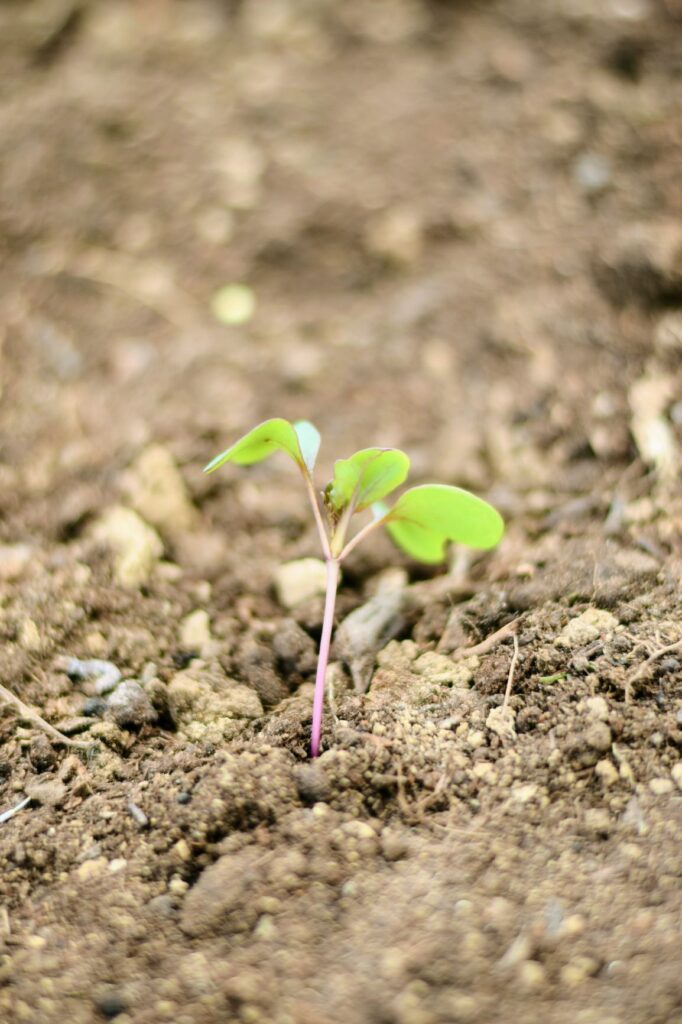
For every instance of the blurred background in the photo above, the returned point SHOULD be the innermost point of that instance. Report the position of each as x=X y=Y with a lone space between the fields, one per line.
x=448 y=226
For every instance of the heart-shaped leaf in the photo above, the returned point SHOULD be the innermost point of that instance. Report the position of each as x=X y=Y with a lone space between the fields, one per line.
x=267 y=438
x=366 y=477
x=424 y=518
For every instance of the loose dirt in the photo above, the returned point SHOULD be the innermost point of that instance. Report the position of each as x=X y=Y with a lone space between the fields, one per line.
x=460 y=223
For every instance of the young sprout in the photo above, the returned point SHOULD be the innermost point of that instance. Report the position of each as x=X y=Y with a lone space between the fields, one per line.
x=421 y=522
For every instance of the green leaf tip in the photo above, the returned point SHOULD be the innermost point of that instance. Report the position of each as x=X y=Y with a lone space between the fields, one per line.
x=425 y=518
x=299 y=441
x=366 y=477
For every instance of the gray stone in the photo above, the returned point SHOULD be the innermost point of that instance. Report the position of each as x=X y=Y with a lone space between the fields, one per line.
x=130 y=707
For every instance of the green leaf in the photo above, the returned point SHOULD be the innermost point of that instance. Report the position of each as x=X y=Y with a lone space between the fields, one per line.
x=425 y=518
x=308 y=442
x=366 y=477
x=261 y=442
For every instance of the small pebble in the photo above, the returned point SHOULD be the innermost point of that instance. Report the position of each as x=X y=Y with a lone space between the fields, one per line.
x=299 y=580
x=606 y=773
x=184 y=797
x=660 y=787
x=195 y=630
x=592 y=173
x=41 y=753
x=138 y=815
x=111 y=1004
x=94 y=707
x=312 y=783
x=130 y=707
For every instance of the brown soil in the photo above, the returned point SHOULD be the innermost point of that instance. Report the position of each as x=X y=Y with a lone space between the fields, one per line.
x=461 y=224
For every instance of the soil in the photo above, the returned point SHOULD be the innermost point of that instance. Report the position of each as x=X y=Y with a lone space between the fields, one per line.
x=460 y=223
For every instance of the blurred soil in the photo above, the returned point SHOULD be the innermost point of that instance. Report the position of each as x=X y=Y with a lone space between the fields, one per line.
x=461 y=226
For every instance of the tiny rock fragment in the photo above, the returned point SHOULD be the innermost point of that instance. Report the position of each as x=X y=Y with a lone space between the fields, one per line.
x=606 y=773
x=485 y=772
x=312 y=783
x=195 y=631
x=661 y=787
x=138 y=815
x=29 y=636
x=92 y=869
x=525 y=794
x=137 y=547
x=502 y=721
x=300 y=580
x=582 y=630
x=41 y=753
x=592 y=173
x=158 y=492
x=597 y=822
x=531 y=975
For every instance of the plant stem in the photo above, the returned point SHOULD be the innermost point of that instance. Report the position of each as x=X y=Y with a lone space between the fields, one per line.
x=360 y=536
x=324 y=539
x=323 y=657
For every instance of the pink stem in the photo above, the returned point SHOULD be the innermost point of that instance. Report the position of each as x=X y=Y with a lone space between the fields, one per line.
x=323 y=658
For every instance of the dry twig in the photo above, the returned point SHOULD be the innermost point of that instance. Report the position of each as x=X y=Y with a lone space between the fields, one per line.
x=32 y=716
x=490 y=641
x=512 y=670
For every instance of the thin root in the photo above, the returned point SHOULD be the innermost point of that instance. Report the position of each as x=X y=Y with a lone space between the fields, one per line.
x=643 y=668
x=512 y=670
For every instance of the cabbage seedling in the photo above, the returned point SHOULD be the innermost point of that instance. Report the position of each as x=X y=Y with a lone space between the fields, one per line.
x=421 y=521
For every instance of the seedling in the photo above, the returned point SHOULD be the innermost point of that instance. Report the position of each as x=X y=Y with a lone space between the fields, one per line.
x=421 y=522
